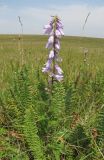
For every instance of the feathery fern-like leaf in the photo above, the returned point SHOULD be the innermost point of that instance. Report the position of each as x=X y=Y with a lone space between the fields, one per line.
x=31 y=134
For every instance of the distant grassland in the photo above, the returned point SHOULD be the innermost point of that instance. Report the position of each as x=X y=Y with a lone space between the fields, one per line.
x=35 y=54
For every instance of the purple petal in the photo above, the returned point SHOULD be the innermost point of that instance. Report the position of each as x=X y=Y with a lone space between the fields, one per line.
x=57 y=33
x=58 y=77
x=59 y=25
x=57 y=45
x=59 y=21
x=59 y=70
x=51 y=39
x=51 y=55
x=49 y=45
x=48 y=63
x=44 y=69
x=61 y=31
x=50 y=42
x=47 y=29
x=47 y=66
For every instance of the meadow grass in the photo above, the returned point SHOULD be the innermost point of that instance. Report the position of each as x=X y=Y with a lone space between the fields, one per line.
x=72 y=52
x=67 y=124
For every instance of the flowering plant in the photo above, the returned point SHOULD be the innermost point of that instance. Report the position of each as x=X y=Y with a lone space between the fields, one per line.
x=55 y=31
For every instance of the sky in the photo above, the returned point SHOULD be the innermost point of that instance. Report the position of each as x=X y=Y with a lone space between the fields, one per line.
x=36 y=13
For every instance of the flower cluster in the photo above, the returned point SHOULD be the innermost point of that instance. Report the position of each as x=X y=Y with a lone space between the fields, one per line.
x=55 y=30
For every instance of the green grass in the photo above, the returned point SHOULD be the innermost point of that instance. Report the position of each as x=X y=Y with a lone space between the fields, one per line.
x=72 y=52
x=65 y=125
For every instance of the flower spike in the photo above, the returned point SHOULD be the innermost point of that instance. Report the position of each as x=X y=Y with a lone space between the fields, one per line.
x=55 y=31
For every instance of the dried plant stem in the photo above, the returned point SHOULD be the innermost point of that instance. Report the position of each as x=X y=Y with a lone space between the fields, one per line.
x=20 y=43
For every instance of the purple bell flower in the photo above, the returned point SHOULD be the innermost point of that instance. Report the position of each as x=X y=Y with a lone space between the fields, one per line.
x=58 y=69
x=55 y=31
x=48 y=63
x=59 y=25
x=58 y=77
x=57 y=45
x=44 y=69
x=51 y=54
x=50 y=42
x=47 y=29
x=59 y=32
x=47 y=66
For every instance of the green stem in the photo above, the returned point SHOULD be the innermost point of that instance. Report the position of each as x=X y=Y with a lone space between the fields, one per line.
x=54 y=29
